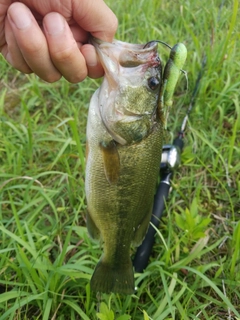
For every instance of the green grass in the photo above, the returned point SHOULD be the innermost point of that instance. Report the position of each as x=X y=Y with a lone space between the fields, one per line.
x=46 y=256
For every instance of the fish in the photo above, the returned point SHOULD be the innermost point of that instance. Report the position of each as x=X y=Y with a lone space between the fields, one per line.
x=123 y=151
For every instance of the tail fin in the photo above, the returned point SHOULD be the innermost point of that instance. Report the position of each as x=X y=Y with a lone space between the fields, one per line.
x=118 y=279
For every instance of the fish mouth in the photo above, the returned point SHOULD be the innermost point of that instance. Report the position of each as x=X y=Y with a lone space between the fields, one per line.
x=149 y=46
x=128 y=55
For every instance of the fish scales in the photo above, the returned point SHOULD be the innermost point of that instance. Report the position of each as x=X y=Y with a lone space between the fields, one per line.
x=124 y=145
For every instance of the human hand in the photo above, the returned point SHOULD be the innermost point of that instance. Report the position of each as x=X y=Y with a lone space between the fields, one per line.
x=50 y=37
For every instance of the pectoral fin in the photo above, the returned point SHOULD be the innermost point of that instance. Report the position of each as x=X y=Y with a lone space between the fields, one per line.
x=111 y=161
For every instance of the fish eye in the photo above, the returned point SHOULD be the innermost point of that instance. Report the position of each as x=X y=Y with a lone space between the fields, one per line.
x=153 y=83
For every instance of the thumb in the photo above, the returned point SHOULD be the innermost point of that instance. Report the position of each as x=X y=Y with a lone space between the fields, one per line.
x=95 y=17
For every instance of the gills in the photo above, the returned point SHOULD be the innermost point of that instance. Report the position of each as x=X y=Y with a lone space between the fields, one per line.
x=124 y=142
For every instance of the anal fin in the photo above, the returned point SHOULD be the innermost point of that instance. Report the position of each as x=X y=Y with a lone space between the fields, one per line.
x=93 y=230
x=142 y=229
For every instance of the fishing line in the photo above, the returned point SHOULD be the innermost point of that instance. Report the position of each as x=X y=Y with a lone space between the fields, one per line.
x=159 y=41
x=167 y=45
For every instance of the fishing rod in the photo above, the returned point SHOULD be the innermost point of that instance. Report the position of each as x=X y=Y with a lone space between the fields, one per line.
x=171 y=156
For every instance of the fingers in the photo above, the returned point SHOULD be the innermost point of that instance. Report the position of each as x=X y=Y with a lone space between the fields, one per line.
x=63 y=48
x=96 y=17
x=95 y=69
x=27 y=45
x=57 y=48
x=12 y=52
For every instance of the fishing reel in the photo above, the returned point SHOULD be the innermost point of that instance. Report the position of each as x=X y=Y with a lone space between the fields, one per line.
x=170 y=157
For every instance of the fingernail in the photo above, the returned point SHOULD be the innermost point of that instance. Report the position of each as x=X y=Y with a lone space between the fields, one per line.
x=20 y=16
x=54 y=23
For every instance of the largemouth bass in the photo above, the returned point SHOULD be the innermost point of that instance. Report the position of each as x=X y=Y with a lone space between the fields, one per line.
x=124 y=143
